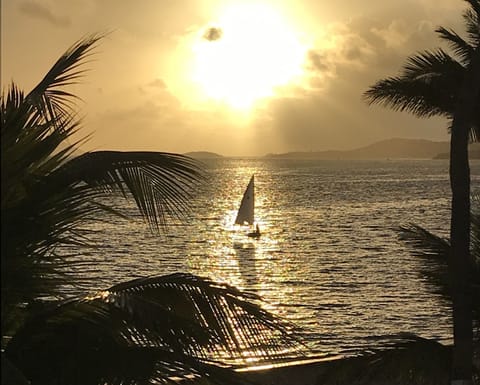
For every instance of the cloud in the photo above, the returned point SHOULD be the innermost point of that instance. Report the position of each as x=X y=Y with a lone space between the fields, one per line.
x=330 y=112
x=394 y=35
x=155 y=87
x=325 y=112
x=154 y=119
x=213 y=34
x=317 y=61
x=157 y=83
x=41 y=12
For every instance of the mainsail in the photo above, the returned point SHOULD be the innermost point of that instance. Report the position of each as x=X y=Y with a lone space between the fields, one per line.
x=247 y=206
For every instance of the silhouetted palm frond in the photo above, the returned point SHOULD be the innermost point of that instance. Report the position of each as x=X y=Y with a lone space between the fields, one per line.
x=423 y=243
x=426 y=87
x=48 y=195
x=434 y=251
x=472 y=22
x=161 y=183
x=174 y=320
x=460 y=47
x=49 y=96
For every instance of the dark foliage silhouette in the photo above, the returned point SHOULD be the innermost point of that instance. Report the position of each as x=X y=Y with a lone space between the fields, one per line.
x=438 y=83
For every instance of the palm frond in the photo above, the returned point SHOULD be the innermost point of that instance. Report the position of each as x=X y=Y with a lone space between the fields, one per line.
x=429 y=65
x=434 y=251
x=424 y=243
x=14 y=113
x=48 y=97
x=180 y=312
x=35 y=125
x=459 y=46
x=427 y=86
x=472 y=22
x=162 y=184
x=178 y=317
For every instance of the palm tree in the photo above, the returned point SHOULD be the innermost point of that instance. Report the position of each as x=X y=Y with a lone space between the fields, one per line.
x=48 y=193
x=182 y=325
x=436 y=83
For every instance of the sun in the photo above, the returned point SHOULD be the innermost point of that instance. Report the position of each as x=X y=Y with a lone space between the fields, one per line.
x=245 y=55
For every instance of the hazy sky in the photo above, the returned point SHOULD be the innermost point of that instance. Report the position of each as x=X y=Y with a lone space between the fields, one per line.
x=233 y=77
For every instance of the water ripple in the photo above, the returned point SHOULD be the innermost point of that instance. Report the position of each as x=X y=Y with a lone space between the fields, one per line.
x=328 y=259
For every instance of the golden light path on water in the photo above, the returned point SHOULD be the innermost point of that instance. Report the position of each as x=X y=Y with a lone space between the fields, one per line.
x=328 y=259
x=242 y=257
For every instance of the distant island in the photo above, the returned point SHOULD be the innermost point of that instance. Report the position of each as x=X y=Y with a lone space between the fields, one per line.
x=395 y=148
x=203 y=155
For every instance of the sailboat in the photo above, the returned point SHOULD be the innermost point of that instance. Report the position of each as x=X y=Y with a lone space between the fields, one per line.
x=246 y=212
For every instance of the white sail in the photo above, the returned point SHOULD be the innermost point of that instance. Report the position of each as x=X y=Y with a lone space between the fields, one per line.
x=247 y=206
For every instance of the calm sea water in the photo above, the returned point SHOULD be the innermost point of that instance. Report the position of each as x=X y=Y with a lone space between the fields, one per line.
x=329 y=258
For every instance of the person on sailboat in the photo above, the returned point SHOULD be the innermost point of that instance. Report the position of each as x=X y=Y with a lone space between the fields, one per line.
x=255 y=233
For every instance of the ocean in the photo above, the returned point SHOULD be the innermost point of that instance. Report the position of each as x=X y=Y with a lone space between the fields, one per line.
x=329 y=258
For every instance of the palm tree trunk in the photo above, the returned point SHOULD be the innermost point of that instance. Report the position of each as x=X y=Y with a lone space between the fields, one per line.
x=460 y=257
x=460 y=261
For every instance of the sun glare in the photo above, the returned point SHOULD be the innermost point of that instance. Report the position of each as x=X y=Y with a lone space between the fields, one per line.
x=245 y=55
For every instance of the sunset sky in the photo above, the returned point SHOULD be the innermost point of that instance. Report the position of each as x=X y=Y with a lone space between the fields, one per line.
x=233 y=77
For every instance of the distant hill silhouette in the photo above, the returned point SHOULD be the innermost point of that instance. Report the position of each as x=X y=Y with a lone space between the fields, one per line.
x=203 y=155
x=395 y=148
